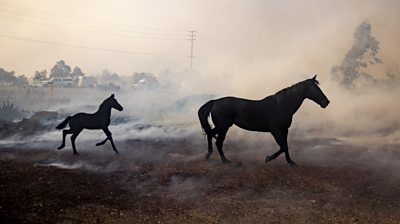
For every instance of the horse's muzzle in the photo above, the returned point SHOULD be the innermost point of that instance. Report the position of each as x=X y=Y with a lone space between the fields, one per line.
x=324 y=105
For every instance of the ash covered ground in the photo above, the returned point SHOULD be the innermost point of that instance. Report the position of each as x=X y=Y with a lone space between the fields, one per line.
x=167 y=180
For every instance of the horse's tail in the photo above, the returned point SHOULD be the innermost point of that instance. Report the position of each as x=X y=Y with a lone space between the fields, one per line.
x=203 y=113
x=64 y=123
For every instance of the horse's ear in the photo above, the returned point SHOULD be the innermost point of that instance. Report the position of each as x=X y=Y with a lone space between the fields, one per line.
x=112 y=95
x=315 y=77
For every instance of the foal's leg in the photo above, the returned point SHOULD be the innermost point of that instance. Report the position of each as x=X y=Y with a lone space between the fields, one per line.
x=65 y=132
x=109 y=137
x=219 y=143
x=102 y=142
x=73 y=137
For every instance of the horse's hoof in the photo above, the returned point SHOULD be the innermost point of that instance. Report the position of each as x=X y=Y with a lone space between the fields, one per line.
x=207 y=156
x=60 y=147
x=98 y=144
x=292 y=164
x=267 y=159
x=76 y=154
x=226 y=161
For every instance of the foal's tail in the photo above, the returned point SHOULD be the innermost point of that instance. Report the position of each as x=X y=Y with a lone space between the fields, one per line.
x=203 y=113
x=64 y=123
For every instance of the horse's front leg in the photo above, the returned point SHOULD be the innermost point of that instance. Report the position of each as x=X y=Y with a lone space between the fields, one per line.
x=109 y=137
x=102 y=142
x=273 y=156
x=281 y=138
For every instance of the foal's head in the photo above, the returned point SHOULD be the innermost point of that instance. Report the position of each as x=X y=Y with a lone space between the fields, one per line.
x=113 y=103
x=314 y=93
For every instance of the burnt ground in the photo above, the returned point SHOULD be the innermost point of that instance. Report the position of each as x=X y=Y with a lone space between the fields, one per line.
x=168 y=181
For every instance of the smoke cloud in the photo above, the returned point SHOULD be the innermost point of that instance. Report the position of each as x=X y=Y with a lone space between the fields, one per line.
x=270 y=46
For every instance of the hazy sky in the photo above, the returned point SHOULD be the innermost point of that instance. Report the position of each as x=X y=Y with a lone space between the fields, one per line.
x=244 y=37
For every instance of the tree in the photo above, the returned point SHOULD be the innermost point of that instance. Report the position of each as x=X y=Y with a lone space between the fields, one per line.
x=363 y=53
x=60 y=70
x=107 y=76
x=22 y=80
x=40 y=76
x=77 y=72
x=7 y=78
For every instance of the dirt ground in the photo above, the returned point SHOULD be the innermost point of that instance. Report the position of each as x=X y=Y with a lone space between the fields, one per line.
x=169 y=181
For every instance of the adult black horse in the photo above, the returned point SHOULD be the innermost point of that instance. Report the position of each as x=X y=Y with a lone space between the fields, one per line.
x=272 y=114
x=98 y=120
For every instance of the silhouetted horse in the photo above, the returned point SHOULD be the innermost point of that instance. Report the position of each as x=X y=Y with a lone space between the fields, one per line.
x=98 y=120
x=271 y=114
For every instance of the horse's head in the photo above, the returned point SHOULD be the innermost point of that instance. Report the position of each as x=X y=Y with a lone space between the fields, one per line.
x=314 y=93
x=113 y=103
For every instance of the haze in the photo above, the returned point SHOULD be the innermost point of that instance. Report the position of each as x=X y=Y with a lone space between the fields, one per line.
x=246 y=40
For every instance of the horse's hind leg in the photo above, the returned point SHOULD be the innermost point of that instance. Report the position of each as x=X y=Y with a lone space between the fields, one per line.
x=73 y=137
x=210 y=148
x=210 y=136
x=102 y=142
x=109 y=137
x=65 y=132
x=219 y=143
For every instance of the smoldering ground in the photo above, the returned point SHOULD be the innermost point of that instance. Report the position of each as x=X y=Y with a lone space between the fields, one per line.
x=161 y=175
x=168 y=180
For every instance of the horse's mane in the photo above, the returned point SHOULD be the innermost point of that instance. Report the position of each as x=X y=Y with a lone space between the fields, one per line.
x=291 y=88
x=292 y=92
x=296 y=87
x=103 y=103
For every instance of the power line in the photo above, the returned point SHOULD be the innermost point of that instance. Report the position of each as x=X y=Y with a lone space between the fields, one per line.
x=119 y=33
x=192 y=35
x=55 y=21
x=40 y=17
x=41 y=13
x=88 y=47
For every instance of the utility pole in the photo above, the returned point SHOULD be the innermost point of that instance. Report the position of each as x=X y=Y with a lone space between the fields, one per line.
x=192 y=35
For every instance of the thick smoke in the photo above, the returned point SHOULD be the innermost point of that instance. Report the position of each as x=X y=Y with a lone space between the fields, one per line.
x=167 y=109
x=367 y=105
x=363 y=52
